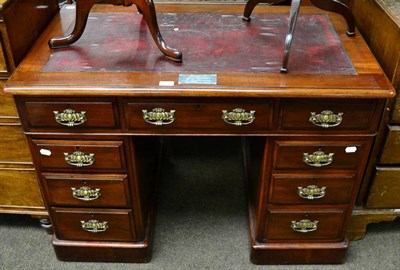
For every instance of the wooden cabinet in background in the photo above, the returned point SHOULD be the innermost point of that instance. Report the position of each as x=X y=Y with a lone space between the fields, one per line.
x=379 y=200
x=21 y=22
x=19 y=191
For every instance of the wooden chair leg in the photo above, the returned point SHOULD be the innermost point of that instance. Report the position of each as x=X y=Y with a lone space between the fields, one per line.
x=146 y=7
x=83 y=8
x=340 y=8
x=251 y=4
x=294 y=12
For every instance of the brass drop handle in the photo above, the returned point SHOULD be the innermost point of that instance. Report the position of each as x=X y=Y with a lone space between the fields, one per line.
x=238 y=117
x=326 y=119
x=311 y=192
x=304 y=225
x=318 y=158
x=70 y=117
x=85 y=193
x=79 y=159
x=159 y=116
x=94 y=226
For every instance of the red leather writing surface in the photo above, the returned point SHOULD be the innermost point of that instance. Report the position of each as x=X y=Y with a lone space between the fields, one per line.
x=210 y=43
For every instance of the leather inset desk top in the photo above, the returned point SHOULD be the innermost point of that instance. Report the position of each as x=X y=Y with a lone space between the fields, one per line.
x=210 y=42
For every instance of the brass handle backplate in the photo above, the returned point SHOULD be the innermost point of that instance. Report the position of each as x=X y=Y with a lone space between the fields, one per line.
x=311 y=192
x=159 y=116
x=94 y=226
x=86 y=193
x=318 y=159
x=70 y=117
x=304 y=225
x=326 y=119
x=238 y=117
x=79 y=159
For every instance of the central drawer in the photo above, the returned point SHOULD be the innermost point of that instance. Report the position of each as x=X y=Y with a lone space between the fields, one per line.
x=87 y=190
x=94 y=224
x=79 y=155
x=168 y=117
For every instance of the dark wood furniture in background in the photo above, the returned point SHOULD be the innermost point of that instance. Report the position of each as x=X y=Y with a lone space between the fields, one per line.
x=379 y=200
x=94 y=140
x=21 y=23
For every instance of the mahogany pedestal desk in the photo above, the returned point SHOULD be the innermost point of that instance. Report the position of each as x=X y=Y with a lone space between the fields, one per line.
x=94 y=132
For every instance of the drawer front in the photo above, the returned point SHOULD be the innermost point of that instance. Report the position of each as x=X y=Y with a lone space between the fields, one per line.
x=70 y=114
x=79 y=155
x=385 y=188
x=307 y=226
x=396 y=110
x=19 y=190
x=391 y=149
x=87 y=190
x=7 y=105
x=311 y=189
x=320 y=155
x=100 y=224
x=13 y=144
x=191 y=117
x=329 y=115
x=3 y=64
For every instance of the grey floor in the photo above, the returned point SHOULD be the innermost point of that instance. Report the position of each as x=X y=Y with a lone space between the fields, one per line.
x=201 y=221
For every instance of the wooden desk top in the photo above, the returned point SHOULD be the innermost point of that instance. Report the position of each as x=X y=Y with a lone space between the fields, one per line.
x=369 y=82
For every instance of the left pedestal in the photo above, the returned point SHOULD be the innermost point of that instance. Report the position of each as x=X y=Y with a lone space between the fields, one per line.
x=99 y=188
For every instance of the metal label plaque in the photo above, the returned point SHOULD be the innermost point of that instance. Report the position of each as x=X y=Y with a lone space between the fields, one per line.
x=197 y=79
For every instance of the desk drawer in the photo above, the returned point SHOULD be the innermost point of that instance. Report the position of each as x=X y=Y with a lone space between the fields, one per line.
x=164 y=116
x=391 y=150
x=19 y=190
x=311 y=189
x=330 y=115
x=73 y=114
x=87 y=190
x=13 y=144
x=79 y=155
x=100 y=224
x=320 y=155
x=293 y=225
x=385 y=188
x=396 y=110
